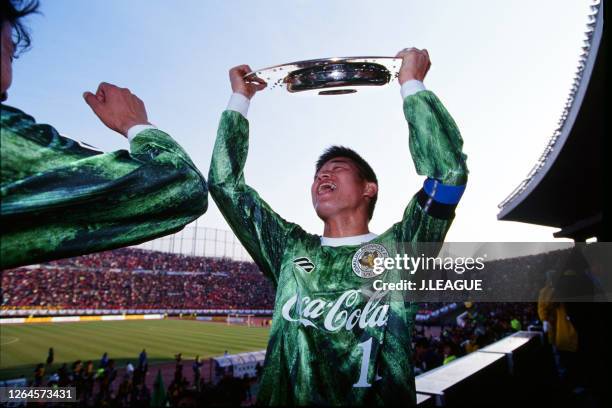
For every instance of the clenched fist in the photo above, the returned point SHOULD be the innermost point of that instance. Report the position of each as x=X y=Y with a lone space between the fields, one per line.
x=240 y=85
x=415 y=64
x=117 y=108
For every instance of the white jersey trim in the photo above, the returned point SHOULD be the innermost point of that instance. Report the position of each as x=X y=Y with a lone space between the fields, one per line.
x=354 y=240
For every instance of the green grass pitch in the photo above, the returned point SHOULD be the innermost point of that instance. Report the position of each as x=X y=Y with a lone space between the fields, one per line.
x=23 y=346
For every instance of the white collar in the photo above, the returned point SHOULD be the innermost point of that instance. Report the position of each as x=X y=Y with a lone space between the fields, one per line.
x=354 y=240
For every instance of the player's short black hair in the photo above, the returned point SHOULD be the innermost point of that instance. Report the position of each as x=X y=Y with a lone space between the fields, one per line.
x=11 y=12
x=365 y=170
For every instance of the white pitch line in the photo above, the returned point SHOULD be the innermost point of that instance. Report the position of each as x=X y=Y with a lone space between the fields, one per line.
x=13 y=340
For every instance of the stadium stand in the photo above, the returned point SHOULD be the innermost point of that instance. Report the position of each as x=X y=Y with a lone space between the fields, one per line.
x=571 y=164
x=137 y=279
x=563 y=190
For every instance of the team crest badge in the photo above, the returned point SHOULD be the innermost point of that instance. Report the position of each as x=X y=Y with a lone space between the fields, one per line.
x=363 y=260
x=304 y=264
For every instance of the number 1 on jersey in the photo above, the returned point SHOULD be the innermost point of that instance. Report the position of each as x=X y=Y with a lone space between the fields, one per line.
x=366 y=346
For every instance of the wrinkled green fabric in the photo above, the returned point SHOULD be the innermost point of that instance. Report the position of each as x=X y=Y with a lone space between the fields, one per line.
x=435 y=142
x=61 y=198
x=322 y=327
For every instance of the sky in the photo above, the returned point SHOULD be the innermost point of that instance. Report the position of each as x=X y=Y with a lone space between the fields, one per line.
x=502 y=69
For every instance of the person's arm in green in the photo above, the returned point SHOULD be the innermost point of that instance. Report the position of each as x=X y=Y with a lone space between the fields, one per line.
x=62 y=199
x=436 y=147
x=262 y=232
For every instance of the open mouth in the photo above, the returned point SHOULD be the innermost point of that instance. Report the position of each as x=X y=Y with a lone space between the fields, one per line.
x=326 y=187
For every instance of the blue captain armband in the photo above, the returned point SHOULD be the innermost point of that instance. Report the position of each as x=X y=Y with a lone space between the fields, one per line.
x=439 y=200
x=443 y=193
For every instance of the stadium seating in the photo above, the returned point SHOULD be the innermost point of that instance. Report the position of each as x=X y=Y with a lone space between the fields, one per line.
x=137 y=279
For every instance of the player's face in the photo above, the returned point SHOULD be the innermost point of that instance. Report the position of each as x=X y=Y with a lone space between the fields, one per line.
x=337 y=188
x=6 y=55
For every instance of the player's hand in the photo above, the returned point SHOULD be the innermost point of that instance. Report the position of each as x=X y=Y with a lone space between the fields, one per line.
x=415 y=64
x=116 y=107
x=240 y=85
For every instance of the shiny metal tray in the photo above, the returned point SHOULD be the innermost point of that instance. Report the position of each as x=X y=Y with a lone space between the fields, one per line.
x=330 y=76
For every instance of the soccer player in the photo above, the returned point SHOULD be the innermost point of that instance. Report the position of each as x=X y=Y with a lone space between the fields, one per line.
x=332 y=343
x=61 y=198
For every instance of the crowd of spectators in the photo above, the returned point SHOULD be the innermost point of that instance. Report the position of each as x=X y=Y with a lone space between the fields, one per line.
x=140 y=259
x=131 y=278
x=104 y=383
x=481 y=325
x=137 y=279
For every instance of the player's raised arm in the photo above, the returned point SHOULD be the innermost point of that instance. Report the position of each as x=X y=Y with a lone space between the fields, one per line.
x=436 y=147
x=259 y=228
x=61 y=199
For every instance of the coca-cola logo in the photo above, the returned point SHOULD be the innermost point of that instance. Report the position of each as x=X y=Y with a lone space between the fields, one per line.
x=341 y=313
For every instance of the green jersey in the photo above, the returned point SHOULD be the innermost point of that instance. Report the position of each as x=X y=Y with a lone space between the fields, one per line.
x=61 y=198
x=329 y=343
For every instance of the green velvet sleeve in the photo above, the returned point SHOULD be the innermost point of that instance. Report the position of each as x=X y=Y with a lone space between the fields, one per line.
x=436 y=147
x=262 y=232
x=61 y=198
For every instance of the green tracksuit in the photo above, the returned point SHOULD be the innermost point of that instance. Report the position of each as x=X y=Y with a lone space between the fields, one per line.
x=330 y=344
x=61 y=199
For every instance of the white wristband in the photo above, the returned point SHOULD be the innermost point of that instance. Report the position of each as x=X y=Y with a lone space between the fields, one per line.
x=239 y=103
x=411 y=87
x=136 y=129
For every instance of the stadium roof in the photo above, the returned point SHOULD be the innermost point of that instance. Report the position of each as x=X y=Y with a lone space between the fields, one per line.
x=564 y=188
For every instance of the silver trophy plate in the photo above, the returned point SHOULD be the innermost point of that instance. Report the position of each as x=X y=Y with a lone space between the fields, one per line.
x=330 y=76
